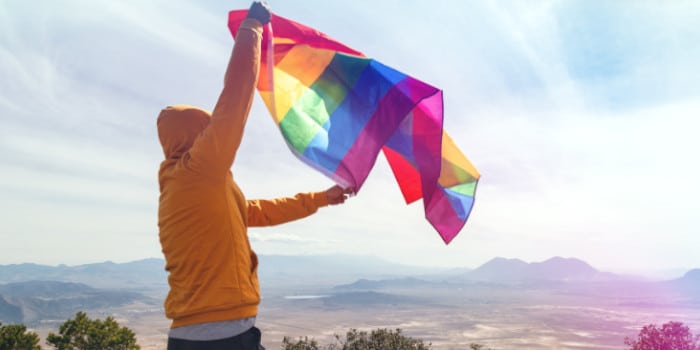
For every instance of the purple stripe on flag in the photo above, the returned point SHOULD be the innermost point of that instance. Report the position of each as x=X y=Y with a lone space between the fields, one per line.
x=402 y=141
x=392 y=110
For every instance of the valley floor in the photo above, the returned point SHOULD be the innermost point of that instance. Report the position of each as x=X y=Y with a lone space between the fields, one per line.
x=447 y=318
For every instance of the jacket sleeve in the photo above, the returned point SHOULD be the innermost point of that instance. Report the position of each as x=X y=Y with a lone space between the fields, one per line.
x=278 y=211
x=216 y=147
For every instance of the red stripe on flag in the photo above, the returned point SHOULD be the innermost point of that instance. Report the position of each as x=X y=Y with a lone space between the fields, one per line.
x=406 y=175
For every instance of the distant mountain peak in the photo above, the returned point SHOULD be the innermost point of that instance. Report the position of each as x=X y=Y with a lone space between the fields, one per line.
x=559 y=259
x=569 y=263
x=553 y=269
x=498 y=261
x=692 y=275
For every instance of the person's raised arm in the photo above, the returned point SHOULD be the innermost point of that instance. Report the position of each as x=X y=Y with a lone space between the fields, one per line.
x=281 y=210
x=220 y=140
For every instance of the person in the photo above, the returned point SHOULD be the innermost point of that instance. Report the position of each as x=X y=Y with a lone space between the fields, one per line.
x=203 y=216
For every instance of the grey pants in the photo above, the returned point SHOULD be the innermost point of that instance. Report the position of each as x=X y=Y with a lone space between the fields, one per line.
x=248 y=340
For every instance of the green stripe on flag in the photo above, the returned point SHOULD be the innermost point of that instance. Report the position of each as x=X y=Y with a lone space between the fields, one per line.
x=298 y=128
x=465 y=188
x=337 y=79
x=314 y=107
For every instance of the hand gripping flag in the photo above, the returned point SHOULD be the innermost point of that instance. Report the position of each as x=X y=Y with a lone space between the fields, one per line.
x=337 y=108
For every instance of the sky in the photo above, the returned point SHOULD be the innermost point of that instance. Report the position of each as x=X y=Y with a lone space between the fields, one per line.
x=581 y=116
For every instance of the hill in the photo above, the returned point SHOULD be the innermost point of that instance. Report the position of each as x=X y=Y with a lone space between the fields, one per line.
x=140 y=274
x=692 y=276
x=394 y=283
x=9 y=313
x=274 y=271
x=689 y=283
x=33 y=301
x=497 y=271
x=554 y=269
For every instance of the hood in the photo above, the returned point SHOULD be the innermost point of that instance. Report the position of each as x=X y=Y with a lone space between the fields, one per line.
x=178 y=127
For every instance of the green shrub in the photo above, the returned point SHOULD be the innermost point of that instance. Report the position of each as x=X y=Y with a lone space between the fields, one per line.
x=16 y=337
x=82 y=333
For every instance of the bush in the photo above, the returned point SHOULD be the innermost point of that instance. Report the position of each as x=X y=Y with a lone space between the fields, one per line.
x=82 y=333
x=359 y=340
x=16 y=337
x=671 y=336
x=378 y=339
x=301 y=344
x=474 y=346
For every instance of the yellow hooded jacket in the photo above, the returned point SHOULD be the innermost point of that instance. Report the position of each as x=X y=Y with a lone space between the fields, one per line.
x=203 y=215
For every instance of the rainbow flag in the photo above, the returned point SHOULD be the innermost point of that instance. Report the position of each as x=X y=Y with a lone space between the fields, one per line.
x=337 y=109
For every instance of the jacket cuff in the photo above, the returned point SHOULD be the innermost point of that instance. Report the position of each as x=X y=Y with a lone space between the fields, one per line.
x=252 y=24
x=320 y=199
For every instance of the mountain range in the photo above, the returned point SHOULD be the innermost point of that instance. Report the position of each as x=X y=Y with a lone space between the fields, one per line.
x=146 y=273
x=509 y=272
x=33 y=301
x=281 y=270
x=32 y=293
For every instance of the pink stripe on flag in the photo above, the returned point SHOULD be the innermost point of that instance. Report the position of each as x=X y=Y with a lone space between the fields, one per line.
x=442 y=215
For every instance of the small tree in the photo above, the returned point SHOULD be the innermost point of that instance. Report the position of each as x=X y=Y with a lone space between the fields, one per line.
x=16 y=337
x=301 y=344
x=671 y=336
x=379 y=339
x=383 y=339
x=475 y=346
x=82 y=333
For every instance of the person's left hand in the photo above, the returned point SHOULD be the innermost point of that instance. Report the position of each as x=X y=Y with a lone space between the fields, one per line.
x=338 y=195
x=260 y=10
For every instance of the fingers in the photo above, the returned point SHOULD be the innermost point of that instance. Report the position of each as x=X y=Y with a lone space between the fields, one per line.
x=260 y=11
x=338 y=194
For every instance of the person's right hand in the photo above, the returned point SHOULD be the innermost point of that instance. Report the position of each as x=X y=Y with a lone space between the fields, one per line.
x=260 y=11
x=338 y=195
